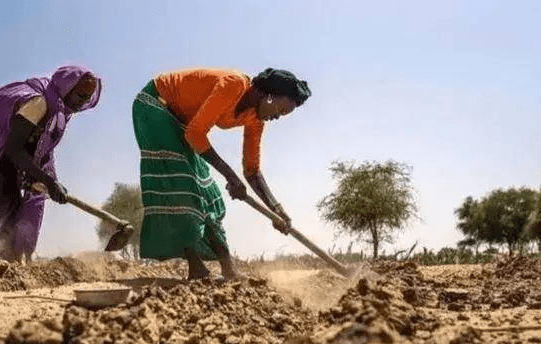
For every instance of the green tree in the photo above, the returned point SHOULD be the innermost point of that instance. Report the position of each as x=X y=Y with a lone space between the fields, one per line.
x=371 y=201
x=471 y=222
x=500 y=217
x=507 y=212
x=126 y=204
x=532 y=228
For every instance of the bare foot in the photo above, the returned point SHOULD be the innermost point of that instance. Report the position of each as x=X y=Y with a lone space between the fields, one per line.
x=229 y=271
x=196 y=267
x=198 y=274
x=7 y=254
x=234 y=276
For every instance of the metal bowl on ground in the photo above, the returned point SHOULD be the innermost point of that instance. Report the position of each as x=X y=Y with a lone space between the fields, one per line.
x=101 y=297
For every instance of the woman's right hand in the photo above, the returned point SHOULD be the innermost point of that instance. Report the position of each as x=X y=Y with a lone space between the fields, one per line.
x=236 y=188
x=58 y=193
x=282 y=226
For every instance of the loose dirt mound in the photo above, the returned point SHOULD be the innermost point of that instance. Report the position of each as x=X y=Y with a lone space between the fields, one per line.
x=518 y=267
x=375 y=308
x=389 y=302
x=504 y=284
x=193 y=312
x=87 y=268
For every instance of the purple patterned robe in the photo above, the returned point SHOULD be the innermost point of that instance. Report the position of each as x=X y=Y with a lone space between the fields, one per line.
x=21 y=221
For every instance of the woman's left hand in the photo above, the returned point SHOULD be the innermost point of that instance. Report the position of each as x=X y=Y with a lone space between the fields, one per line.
x=38 y=188
x=279 y=210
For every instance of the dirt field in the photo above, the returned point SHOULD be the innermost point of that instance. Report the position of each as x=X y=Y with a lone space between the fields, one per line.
x=301 y=303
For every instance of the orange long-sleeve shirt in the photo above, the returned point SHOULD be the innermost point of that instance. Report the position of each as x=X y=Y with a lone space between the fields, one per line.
x=203 y=98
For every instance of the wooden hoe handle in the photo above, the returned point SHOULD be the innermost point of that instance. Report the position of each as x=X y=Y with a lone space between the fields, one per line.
x=342 y=269
x=96 y=211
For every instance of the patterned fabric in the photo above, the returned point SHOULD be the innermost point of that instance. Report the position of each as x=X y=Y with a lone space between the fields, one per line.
x=182 y=202
x=21 y=215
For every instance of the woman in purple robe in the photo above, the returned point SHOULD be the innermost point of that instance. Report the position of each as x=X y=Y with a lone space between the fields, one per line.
x=33 y=117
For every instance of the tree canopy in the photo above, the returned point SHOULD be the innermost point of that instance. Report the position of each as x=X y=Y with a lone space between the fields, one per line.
x=371 y=201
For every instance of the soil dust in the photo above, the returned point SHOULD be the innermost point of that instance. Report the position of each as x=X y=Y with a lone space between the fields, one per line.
x=389 y=302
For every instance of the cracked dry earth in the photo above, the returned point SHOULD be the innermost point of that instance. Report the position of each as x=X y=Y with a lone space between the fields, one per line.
x=385 y=302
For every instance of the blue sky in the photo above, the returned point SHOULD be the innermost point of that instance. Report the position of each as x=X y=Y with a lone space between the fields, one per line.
x=450 y=88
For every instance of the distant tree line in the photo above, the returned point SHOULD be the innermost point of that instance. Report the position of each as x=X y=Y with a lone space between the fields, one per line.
x=373 y=200
x=504 y=217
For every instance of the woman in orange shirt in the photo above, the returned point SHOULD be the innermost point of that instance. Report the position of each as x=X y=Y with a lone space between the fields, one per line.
x=172 y=116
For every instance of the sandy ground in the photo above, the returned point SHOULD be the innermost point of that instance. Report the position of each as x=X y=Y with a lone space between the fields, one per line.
x=386 y=302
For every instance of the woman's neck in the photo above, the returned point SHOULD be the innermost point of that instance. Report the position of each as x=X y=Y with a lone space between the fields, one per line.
x=250 y=99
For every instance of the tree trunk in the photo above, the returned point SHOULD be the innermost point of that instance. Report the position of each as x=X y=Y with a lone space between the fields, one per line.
x=375 y=240
x=510 y=246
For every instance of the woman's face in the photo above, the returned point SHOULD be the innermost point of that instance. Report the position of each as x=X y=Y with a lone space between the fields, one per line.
x=81 y=93
x=273 y=107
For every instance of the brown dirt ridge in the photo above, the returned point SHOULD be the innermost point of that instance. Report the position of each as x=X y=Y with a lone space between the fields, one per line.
x=387 y=302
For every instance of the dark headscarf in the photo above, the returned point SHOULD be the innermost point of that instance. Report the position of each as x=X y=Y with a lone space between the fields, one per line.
x=282 y=82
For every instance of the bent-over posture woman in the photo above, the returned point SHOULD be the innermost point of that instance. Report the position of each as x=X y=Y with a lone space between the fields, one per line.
x=172 y=117
x=33 y=117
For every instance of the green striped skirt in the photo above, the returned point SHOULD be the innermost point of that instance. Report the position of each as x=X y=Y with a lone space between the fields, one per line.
x=182 y=202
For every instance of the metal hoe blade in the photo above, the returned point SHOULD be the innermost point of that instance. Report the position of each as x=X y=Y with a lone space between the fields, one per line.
x=123 y=232
x=120 y=238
